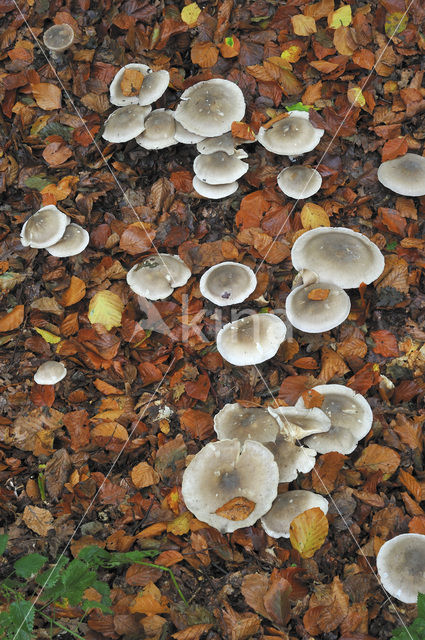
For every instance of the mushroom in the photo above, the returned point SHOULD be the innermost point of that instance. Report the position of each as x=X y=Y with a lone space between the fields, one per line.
x=44 y=228
x=157 y=276
x=225 y=470
x=291 y=136
x=404 y=175
x=210 y=107
x=227 y=283
x=299 y=181
x=252 y=339
x=50 y=372
x=74 y=241
x=252 y=423
x=160 y=128
x=224 y=143
x=290 y=458
x=153 y=85
x=185 y=136
x=339 y=256
x=296 y=423
x=288 y=506
x=214 y=191
x=219 y=167
x=58 y=38
x=401 y=566
x=317 y=307
x=125 y=123
x=350 y=415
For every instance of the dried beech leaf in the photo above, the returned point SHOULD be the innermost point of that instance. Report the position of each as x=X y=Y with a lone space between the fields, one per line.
x=308 y=531
x=237 y=508
x=131 y=82
x=38 y=520
x=318 y=294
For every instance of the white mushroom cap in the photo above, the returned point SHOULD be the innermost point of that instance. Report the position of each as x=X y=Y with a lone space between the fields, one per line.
x=185 y=136
x=225 y=470
x=404 y=175
x=125 y=123
x=214 y=191
x=219 y=168
x=296 y=423
x=291 y=136
x=350 y=415
x=156 y=276
x=253 y=423
x=227 y=283
x=299 y=181
x=290 y=458
x=74 y=241
x=401 y=566
x=315 y=316
x=116 y=95
x=59 y=37
x=338 y=255
x=160 y=128
x=50 y=372
x=251 y=340
x=224 y=143
x=288 y=506
x=154 y=85
x=44 y=228
x=208 y=108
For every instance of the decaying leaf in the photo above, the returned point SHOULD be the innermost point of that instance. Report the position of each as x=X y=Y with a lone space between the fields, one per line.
x=237 y=508
x=38 y=520
x=308 y=531
x=318 y=294
x=131 y=82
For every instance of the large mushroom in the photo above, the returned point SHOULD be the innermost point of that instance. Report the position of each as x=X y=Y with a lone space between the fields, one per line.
x=317 y=307
x=299 y=181
x=291 y=136
x=297 y=423
x=160 y=129
x=288 y=506
x=245 y=423
x=125 y=123
x=252 y=339
x=219 y=167
x=404 y=175
x=157 y=276
x=214 y=191
x=227 y=283
x=401 y=566
x=146 y=86
x=291 y=459
x=44 y=228
x=74 y=241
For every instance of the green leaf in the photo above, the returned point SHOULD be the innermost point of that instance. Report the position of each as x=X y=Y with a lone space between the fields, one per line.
x=131 y=556
x=21 y=615
x=29 y=565
x=76 y=578
x=3 y=543
x=49 y=578
x=299 y=106
x=94 y=556
x=421 y=605
x=56 y=129
x=395 y=23
x=37 y=182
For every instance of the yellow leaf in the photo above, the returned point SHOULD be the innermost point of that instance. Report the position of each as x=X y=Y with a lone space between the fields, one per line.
x=106 y=308
x=190 y=13
x=308 y=532
x=341 y=16
x=355 y=96
x=291 y=54
x=47 y=336
x=313 y=216
x=180 y=525
x=39 y=124
x=303 y=25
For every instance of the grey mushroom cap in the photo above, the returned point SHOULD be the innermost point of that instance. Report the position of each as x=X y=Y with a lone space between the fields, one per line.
x=291 y=136
x=290 y=458
x=125 y=123
x=338 y=255
x=219 y=167
x=225 y=470
x=224 y=143
x=251 y=340
x=44 y=228
x=59 y=38
x=160 y=128
x=208 y=108
x=227 y=283
x=185 y=136
x=245 y=423
x=316 y=316
x=404 y=175
x=50 y=372
x=214 y=191
x=288 y=506
x=299 y=181
x=116 y=95
x=153 y=87
x=74 y=241
x=157 y=276
x=296 y=423
x=350 y=415
x=401 y=566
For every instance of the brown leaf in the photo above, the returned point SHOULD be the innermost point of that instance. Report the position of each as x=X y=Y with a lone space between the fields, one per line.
x=377 y=458
x=239 y=626
x=131 y=82
x=395 y=274
x=326 y=471
x=292 y=387
x=237 y=508
x=411 y=484
x=365 y=378
x=56 y=153
x=13 y=319
x=198 y=423
x=243 y=131
x=38 y=520
x=42 y=395
x=143 y=475
x=276 y=601
x=204 y=54
x=318 y=294
x=139 y=575
x=75 y=292
x=394 y=148
x=199 y=388
x=46 y=95
x=332 y=365
x=385 y=343
x=312 y=398
x=254 y=587
x=303 y=25
x=193 y=632
x=137 y=238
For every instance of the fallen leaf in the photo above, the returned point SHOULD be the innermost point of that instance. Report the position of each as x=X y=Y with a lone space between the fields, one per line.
x=56 y=153
x=204 y=54
x=190 y=13
x=243 y=131
x=378 y=458
x=303 y=25
x=239 y=626
x=38 y=520
x=385 y=343
x=340 y=17
x=308 y=531
x=238 y=508
x=143 y=475
x=106 y=308
x=318 y=294
x=75 y=292
x=13 y=319
x=131 y=82
x=47 y=96
x=313 y=216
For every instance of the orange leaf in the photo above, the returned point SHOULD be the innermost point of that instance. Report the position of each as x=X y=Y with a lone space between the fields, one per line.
x=303 y=25
x=308 y=531
x=143 y=475
x=46 y=95
x=205 y=54
x=56 y=153
x=324 y=66
x=242 y=130
x=305 y=363
x=377 y=458
x=230 y=48
x=394 y=148
x=42 y=395
x=411 y=484
x=326 y=471
x=106 y=388
x=194 y=632
x=237 y=508
x=168 y=558
x=417 y=525
x=312 y=398
x=365 y=378
x=199 y=388
x=198 y=423
x=182 y=180
x=131 y=82
x=385 y=343
x=137 y=238
x=318 y=294
x=75 y=292
x=13 y=319
x=364 y=58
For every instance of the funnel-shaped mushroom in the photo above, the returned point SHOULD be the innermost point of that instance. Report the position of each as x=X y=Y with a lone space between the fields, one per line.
x=299 y=182
x=288 y=506
x=147 y=85
x=219 y=167
x=290 y=458
x=44 y=228
x=160 y=128
x=253 y=423
x=317 y=307
x=125 y=123
x=291 y=136
x=251 y=340
x=225 y=470
x=157 y=276
x=50 y=372
x=296 y=423
x=59 y=38
x=214 y=191
x=401 y=566
x=74 y=241
x=225 y=143
x=185 y=136
x=404 y=175
x=339 y=256
x=228 y=283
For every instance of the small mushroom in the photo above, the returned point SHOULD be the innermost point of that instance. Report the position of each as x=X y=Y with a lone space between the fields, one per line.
x=160 y=128
x=296 y=423
x=185 y=136
x=290 y=458
x=401 y=566
x=58 y=38
x=157 y=276
x=227 y=283
x=317 y=307
x=50 y=372
x=288 y=506
x=224 y=143
x=404 y=175
x=299 y=181
x=210 y=107
x=125 y=123
x=225 y=470
x=74 y=241
x=219 y=167
x=339 y=256
x=252 y=339
x=44 y=228
x=245 y=423
x=214 y=191
x=153 y=85
x=291 y=136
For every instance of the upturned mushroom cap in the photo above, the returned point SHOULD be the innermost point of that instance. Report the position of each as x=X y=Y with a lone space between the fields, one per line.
x=59 y=38
x=214 y=191
x=157 y=276
x=160 y=128
x=288 y=506
x=251 y=340
x=153 y=86
x=291 y=136
x=116 y=95
x=312 y=315
x=404 y=175
x=401 y=566
x=74 y=241
x=224 y=143
x=125 y=123
x=219 y=167
x=50 y=372
x=296 y=423
x=350 y=415
x=208 y=108
x=338 y=255
x=299 y=182
x=185 y=136
x=253 y=423
x=225 y=470
x=44 y=228
x=290 y=458
x=227 y=283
